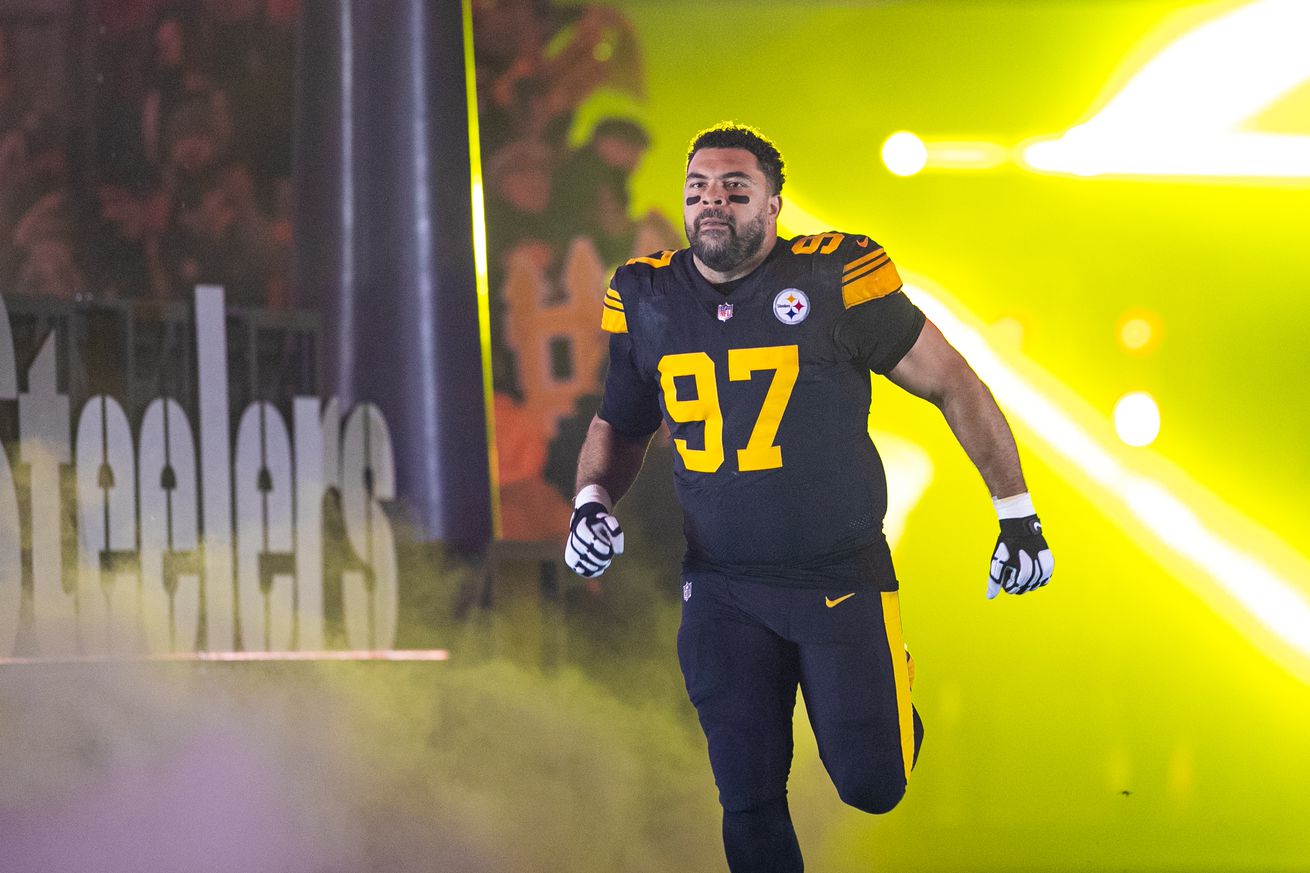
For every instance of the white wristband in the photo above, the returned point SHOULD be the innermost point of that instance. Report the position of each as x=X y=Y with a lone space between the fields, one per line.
x=1015 y=506
x=594 y=494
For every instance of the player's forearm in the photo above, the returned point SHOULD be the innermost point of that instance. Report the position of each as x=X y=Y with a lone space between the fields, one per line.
x=984 y=434
x=609 y=459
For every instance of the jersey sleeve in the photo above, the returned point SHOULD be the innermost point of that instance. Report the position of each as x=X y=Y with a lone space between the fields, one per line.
x=631 y=403
x=867 y=271
x=612 y=317
x=880 y=323
x=879 y=333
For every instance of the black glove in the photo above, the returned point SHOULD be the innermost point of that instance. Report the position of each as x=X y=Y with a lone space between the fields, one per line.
x=594 y=539
x=1022 y=560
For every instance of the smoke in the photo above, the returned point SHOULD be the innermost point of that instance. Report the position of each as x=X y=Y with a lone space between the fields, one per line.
x=557 y=738
x=354 y=768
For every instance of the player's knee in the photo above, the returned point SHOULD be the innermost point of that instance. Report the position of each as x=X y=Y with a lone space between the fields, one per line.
x=875 y=796
x=748 y=799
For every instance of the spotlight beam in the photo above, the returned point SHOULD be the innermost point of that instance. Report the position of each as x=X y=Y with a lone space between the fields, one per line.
x=1181 y=114
x=1241 y=569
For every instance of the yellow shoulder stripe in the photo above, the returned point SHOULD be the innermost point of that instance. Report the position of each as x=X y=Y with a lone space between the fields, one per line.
x=612 y=317
x=657 y=261
x=613 y=320
x=878 y=279
x=871 y=257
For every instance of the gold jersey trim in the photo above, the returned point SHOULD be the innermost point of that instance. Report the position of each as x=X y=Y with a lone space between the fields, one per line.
x=612 y=317
x=869 y=278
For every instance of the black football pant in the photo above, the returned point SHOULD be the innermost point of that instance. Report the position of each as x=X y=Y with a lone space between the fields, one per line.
x=744 y=648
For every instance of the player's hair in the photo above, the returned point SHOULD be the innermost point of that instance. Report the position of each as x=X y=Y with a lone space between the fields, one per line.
x=730 y=135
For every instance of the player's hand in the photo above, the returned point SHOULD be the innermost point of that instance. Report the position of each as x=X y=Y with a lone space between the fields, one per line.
x=594 y=539
x=1022 y=560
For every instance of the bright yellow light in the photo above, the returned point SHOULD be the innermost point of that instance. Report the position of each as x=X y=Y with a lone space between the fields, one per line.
x=904 y=153
x=1181 y=114
x=795 y=219
x=945 y=155
x=478 y=215
x=914 y=469
x=1139 y=330
x=1256 y=581
x=1137 y=418
x=1008 y=331
x=1250 y=577
x=1135 y=333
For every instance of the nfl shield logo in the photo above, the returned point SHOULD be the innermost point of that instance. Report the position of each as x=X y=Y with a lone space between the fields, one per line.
x=725 y=311
x=686 y=591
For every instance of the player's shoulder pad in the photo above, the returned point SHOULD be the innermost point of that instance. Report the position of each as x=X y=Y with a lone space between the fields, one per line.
x=867 y=273
x=628 y=281
x=654 y=261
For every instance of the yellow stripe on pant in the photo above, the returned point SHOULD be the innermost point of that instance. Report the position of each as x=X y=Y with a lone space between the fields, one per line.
x=891 y=616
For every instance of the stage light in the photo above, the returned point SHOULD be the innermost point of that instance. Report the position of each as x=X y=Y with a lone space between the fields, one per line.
x=1137 y=418
x=1183 y=113
x=951 y=155
x=1136 y=333
x=1257 y=582
x=1008 y=330
x=914 y=473
x=904 y=153
x=1253 y=579
x=481 y=283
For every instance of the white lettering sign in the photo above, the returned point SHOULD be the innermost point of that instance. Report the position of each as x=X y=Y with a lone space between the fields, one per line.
x=182 y=545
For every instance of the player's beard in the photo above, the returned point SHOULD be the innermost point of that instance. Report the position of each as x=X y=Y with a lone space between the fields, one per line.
x=725 y=254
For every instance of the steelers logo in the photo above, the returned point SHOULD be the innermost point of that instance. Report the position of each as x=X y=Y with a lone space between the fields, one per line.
x=791 y=306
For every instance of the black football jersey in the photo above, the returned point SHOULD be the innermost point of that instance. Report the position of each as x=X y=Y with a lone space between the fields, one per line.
x=766 y=391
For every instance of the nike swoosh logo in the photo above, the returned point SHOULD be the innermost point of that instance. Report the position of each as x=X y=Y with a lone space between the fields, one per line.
x=830 y=603
x=862 y=242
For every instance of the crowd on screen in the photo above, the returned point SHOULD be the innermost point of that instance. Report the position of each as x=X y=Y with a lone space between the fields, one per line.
x=559 y=219
x=167 y=163
x=173 y=169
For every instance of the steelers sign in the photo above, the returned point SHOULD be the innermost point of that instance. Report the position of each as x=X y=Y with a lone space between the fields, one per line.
x=791 y=306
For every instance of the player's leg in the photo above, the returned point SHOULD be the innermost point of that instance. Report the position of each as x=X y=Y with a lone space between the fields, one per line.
x=741 y=677
x=761 y=839
x=855 y=678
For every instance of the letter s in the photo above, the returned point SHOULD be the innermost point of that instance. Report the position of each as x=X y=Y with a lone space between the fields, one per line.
x=370 y=598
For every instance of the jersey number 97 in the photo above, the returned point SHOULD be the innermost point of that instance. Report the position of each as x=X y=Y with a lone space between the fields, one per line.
x=759 y=453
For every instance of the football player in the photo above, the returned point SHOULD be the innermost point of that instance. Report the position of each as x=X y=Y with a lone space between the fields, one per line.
x=756 y=353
